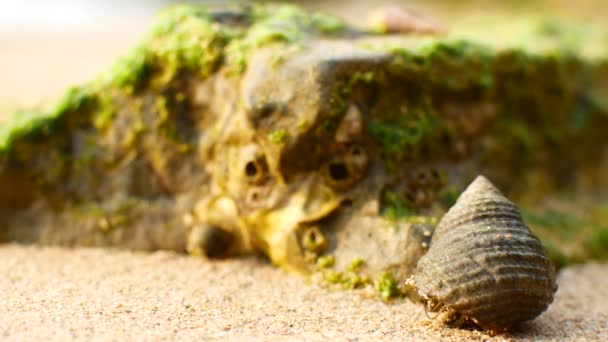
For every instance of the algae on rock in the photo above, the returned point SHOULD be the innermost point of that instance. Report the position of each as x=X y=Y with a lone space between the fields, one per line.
x=302 y=138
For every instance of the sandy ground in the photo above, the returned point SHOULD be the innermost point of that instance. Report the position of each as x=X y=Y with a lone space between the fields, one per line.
x=91 y=294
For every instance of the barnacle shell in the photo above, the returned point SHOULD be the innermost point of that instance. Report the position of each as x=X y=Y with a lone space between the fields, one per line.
x=484 y=265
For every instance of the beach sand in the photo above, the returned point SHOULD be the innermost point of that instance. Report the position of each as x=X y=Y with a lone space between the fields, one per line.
x=104 y=295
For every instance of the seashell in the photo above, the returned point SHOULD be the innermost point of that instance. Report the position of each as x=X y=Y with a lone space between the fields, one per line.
x=394 y=19
x=484 y=266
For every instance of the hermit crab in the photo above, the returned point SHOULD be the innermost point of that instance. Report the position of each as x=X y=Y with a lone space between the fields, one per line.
x=484 y=265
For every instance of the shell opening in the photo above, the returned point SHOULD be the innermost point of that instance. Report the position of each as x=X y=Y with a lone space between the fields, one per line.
x=338 y=171
x=314 y=241
x=251 y=170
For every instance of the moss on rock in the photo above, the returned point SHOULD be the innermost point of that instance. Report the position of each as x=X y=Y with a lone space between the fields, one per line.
x=517 y=101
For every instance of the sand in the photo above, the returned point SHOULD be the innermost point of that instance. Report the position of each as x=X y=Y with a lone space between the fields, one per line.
x=104 y=295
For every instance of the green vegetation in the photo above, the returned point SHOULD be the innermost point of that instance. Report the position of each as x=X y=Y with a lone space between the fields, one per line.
x=409 y=105
x=284 y=23
x=355 y=265
x=386 y=287
x=349 y=278
x=325 y=261
x=571 y=238
x=399 y=140
x=346 y=280
x=396 y=206
x=448 y=197
x=279 y=136
x=184 y=38
x=188 y=38
x=32 y=124
x=385 y=284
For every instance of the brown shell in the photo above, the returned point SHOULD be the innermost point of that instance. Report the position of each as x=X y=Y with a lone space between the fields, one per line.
x=484 y=265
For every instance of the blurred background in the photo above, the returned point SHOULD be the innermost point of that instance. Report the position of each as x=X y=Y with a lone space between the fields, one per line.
x=48 y=45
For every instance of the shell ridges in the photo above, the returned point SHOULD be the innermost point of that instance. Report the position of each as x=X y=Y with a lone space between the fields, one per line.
x=484 y=264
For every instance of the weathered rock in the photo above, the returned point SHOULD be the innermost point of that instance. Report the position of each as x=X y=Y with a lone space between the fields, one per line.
x=300 y=137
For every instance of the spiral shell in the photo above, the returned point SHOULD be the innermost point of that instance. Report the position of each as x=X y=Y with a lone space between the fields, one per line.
x=484 y=266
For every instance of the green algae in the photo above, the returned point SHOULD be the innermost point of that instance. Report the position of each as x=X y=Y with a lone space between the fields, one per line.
x=385 y=284
x=131 y=70
x=350 y=277
x=279 y=24
x=570 y=237
x=188 y=38
x=413 y=129
x=563 y=109
x=325 y=261
x=105 y=113
x=448 y=197
x=399 y=140
x=183 y=38
x=480 y=69
x=278 y=136
x=386 y=287
x=345 y=280
x=37 y=123
x=355 y=265
x=396 y=206
x=189 y=41
x=596 y=243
